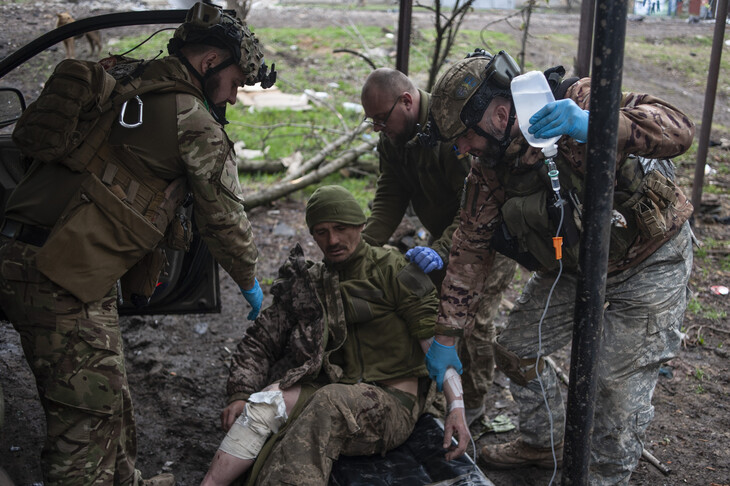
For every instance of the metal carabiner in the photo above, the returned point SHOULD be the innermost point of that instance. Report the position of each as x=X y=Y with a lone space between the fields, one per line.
x=124 y=109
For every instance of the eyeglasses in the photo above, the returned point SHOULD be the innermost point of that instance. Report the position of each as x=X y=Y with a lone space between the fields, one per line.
x=381 y=124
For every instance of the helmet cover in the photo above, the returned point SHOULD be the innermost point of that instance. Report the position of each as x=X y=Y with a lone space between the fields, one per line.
x=470 y=83
x=209 y=25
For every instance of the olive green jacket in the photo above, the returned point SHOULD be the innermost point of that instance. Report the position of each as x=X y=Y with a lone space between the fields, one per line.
x=360 y=320
x=430 y=178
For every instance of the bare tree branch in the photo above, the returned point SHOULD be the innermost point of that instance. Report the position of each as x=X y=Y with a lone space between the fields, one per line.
x=366 y=58
x=326 y=151
x=283 y=188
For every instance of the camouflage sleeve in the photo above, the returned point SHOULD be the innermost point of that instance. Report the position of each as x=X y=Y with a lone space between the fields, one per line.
x=471 y=254
x=651 y=127
x=647 y=125
x=218 y=199
x=390 y=202
x=257 y=352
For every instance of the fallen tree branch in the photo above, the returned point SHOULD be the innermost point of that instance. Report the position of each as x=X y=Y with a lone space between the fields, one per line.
x=318 y=158
x=283 y=188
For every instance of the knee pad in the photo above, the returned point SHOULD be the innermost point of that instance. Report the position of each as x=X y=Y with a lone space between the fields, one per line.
x=264 y=414
x=519 y=370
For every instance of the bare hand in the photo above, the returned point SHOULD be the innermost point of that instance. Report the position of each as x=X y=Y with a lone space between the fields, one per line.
x=231 y=413
x=455 y=426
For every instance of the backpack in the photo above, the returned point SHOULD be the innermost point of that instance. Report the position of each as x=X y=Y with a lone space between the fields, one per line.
x=78 y=104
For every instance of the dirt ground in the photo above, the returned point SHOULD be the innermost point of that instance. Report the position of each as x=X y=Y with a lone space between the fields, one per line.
x=177 y=365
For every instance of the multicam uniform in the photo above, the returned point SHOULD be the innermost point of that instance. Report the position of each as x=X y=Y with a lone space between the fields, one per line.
x=73 y=343
x=645 y=289
x=339 y=329
x=431 y=179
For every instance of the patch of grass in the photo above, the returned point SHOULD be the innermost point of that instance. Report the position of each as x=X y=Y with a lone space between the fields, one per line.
x=715 y=314
x=699 y=374
x=701 y=252
x=712 y=189
x=694 y=306
x=725 y=263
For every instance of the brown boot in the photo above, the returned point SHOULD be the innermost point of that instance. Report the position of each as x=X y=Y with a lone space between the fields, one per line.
x=165 y=479
x=518 y=454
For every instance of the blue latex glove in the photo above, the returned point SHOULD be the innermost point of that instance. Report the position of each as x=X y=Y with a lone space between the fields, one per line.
x=426 y=258
x=562 y=117
x=255 y=297
x=438 y=359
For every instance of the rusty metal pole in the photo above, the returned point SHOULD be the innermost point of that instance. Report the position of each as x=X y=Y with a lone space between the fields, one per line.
x=608 y=53
x=404 y=36
x=709 y=107
x=585 y=38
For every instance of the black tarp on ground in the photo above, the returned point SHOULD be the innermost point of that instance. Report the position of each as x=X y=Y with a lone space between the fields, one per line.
x=419 y=461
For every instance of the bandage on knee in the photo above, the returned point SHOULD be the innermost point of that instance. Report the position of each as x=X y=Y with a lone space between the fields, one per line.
x=264 y=414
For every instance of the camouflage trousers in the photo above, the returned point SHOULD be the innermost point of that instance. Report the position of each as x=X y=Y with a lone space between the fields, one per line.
x=339 y=419
x=476 y=351
x=640 y=331
x=75 y=352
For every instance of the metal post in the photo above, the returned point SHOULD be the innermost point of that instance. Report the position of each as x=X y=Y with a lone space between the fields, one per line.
x=608 y=55
x=585 y=38
x=404 y=36
x=709 y=107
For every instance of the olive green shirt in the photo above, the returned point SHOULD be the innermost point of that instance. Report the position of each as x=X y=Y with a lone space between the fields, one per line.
x=429 y=178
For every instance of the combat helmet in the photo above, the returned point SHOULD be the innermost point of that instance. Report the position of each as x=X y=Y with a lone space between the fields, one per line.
x=210 y=25
x=462 y=93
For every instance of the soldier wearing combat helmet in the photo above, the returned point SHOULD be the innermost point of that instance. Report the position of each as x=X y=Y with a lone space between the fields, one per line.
x=510 y=207
x=103 y=211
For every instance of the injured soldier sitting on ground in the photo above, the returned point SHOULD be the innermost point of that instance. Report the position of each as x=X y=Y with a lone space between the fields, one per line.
x=335 y=366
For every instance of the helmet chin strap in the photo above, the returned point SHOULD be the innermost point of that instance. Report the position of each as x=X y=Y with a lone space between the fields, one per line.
x=218 y=113
x=506 y=139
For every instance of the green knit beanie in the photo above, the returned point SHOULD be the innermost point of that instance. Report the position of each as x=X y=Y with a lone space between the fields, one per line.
x=333 y=204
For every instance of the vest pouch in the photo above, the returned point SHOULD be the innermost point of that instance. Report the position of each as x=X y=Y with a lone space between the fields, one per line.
x=179 y=233
x=528 y=221
x=66 y=111
x=95 y=241
x=140 y=281
x=651 y=210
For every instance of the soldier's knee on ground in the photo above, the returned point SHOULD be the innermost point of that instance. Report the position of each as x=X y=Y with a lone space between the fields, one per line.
x=519 y=370
x=264 y=414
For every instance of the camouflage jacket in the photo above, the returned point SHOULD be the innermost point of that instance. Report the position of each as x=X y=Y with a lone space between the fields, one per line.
x=648 y=127
x=360 y=320
x=430 y=178
x=178 y=138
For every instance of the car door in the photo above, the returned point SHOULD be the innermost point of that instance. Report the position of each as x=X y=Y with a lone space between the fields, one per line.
x=189 y=282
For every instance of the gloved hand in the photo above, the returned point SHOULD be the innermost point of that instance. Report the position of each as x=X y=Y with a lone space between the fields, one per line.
x=426 y=258
x=254 y=296
x=440 y=357
x=562 y=117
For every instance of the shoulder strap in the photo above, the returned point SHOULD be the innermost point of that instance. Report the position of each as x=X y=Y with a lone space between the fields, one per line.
x=558 y=85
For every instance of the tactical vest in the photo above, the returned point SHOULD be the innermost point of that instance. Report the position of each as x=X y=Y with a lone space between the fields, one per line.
x=531 y=214
x=122 y=210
